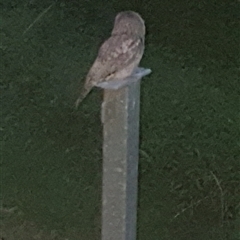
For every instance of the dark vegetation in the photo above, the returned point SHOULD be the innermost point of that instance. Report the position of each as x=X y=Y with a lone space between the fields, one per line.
x=190 y=133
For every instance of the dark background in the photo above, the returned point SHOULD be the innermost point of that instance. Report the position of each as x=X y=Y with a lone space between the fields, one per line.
x=190 y=137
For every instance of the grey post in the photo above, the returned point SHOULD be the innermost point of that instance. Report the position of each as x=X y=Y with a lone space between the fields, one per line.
x=120 y=118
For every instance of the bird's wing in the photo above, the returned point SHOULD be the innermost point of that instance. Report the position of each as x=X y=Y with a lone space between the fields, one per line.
x=124 y=48
x=115 y=54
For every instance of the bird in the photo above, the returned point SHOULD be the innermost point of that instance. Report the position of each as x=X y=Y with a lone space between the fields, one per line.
x=120 y=54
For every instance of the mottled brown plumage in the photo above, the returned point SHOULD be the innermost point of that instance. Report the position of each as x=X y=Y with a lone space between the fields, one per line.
x=120 y=54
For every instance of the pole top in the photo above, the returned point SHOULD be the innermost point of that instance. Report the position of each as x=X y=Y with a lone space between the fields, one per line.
x=119 y=83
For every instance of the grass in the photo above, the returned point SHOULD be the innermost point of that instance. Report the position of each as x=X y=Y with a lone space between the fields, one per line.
x=189 y=153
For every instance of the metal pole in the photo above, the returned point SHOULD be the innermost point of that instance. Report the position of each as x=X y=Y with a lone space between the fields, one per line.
x=120 y=118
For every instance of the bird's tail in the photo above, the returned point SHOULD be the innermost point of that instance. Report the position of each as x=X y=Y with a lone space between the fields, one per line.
x=84 y=93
